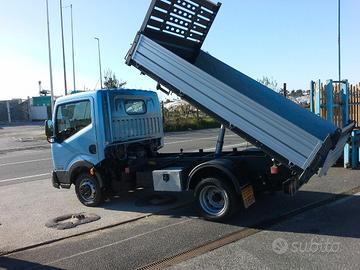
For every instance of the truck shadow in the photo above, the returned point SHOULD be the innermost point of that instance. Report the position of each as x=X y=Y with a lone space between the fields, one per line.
x=13 y=263
x=308 y=212
x=147 y=201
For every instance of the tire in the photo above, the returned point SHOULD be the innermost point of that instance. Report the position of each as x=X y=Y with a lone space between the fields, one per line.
x=88 y=190
x=216 y=200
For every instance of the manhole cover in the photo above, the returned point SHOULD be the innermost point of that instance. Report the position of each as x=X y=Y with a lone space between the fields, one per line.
x=71 y=220
x=156 y=199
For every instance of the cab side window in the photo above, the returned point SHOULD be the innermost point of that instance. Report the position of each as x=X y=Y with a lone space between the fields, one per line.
x=71 y=118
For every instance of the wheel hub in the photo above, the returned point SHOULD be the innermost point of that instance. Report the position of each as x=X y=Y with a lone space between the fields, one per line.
x=87 y=190
x=213 y=200
x=216 y=197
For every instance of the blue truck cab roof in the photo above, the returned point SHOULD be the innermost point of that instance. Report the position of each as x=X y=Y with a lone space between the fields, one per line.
x=126 y=92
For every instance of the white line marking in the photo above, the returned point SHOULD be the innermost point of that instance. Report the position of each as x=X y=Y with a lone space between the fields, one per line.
x=197 y=139
x=109 y=245
x=23 y=177
x=18 y=183
x=25 y=161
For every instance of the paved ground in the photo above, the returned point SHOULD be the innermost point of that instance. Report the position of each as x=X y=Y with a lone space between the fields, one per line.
x=17 y=137
x=147 y=240
x=323 y=238
x=28 y=202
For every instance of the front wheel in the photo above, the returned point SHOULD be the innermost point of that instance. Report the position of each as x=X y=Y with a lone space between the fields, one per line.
x=88 y=190
x=216 y=200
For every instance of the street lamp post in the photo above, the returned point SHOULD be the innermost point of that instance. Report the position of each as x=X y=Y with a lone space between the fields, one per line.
x=98 y=41
x=63 y=49
x=339 y=40
x=72 y=45
x=50 y=65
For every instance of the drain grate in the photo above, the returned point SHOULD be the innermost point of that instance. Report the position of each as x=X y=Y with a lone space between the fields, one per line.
x=71 y=221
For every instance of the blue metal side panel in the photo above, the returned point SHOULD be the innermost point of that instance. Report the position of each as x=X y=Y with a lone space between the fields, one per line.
x=354 y=149
x=345 y=118
x=317 y=100
x=312 y=95
x=266 y=97
x=329 y=89
x=345 y=102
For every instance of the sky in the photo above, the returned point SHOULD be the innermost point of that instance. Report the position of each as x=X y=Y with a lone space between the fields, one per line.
x=292 y=42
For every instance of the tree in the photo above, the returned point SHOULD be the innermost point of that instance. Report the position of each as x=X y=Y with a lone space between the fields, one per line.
x=269 y=82
x=111 y=82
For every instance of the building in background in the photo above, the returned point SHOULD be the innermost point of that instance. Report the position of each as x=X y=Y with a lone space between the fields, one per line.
x=31 y=109
x=40 y=108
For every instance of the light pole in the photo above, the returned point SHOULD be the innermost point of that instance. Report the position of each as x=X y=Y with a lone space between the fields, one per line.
x=339 y=40
x=63 y=49
x=98 y=41
x=72 y=45
x=50 y=65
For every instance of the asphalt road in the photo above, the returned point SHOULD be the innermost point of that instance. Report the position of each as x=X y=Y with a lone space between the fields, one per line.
x=28 y=199
x=36 y=164
x=323 y=238
x=150 y=239
x=139 y=243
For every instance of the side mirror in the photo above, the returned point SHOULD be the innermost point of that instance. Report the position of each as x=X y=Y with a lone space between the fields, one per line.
x=49 y=131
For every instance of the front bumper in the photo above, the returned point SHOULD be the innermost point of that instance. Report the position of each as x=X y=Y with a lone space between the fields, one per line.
x=55 y=180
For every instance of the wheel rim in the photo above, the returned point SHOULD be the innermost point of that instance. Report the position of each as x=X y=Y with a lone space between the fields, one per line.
x=87 y=190
x=213 y=200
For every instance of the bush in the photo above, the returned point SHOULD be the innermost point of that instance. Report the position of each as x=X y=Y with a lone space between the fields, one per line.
x=189 y=123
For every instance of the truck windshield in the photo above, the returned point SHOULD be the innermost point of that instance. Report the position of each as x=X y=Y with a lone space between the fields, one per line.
x=71 y=118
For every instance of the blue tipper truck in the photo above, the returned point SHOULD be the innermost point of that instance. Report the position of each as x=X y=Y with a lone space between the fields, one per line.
x=107 y=141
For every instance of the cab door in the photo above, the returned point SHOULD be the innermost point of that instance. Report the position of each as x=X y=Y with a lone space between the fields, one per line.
x=75 y=135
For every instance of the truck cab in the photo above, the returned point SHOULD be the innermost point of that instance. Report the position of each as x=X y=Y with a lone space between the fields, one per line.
x=86 y=126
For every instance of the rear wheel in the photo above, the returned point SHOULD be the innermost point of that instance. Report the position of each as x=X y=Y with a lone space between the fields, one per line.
x=88 y=190
x=216 y=200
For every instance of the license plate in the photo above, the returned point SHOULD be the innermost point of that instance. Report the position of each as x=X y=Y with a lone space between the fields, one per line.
x=247 y=194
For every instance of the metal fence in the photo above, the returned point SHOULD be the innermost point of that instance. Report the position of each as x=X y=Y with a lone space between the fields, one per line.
x=354 y=103
x=15 y=110
x=336 y=101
